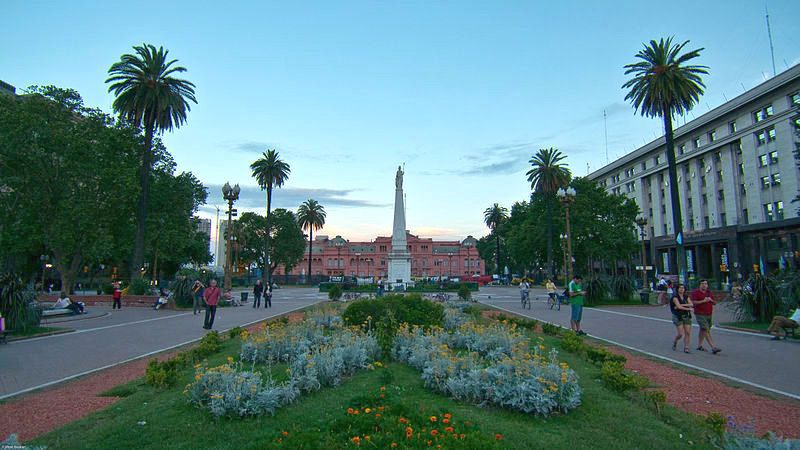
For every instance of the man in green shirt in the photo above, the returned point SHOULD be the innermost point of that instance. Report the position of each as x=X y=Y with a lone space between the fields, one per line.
x=576 y=294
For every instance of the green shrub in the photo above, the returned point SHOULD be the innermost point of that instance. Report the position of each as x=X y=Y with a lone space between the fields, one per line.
x=656 y=399
x=122 y=391
x=617 y=378
x=473 y=310
x=182 y=291
x=622 y=287
x=550 y=329
x=596 y=291
x=107 y=289
x=335 y=292
x=16 y=304
x=716 y=423
x=599 y=355
x=162 y=374
x=234 y=332
x=464 y=292
x=572 y=343
x=139 y=286
x=411 y=309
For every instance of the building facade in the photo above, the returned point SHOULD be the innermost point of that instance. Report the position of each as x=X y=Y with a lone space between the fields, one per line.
x=737 y=178
x=429 y=258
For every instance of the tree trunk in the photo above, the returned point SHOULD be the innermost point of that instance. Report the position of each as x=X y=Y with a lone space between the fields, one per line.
x=677 y=220
x=310 y=241
x=68 y=270
x=266 y=275
x=141 y=209
x=550 y=269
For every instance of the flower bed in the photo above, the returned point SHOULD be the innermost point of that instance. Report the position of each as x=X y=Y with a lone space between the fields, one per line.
x=490 y=365
x=318 y=351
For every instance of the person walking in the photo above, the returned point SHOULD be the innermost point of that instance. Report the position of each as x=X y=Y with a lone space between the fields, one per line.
x=781 y=322
x=197 y=288
x=117 y=297
x=681 y=308
x=703 y=303
x=258 y=289
x=268 y=297
x=211 y=295
x=576 y=300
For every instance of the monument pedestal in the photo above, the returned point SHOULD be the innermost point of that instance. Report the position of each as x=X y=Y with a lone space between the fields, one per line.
x=399 y=273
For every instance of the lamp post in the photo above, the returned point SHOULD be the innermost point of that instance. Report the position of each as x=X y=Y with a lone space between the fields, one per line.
x=358 y=265
x=566 y=197
x=645 y=295
x=230 y=194
x=563 y=237
x=449 y=266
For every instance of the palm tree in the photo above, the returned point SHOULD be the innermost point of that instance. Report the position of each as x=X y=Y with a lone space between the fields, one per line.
x=664 y=85
x=150 y=97
x=311 y=215
x=269 y=171
x=546 y=176
x=493 y=217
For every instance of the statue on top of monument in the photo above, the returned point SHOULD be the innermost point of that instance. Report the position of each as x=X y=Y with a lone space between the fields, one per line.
x=398 y=178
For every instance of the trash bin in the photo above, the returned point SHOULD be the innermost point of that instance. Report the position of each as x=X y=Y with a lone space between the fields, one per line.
x=645 y=297
x=244 y=297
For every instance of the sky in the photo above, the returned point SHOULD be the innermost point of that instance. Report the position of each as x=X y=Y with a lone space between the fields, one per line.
x=462 y=93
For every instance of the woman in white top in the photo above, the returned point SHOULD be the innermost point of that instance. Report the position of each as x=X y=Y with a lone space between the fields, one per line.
x=62 y=302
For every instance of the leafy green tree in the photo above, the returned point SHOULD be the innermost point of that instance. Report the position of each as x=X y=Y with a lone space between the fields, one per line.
x=287 y=236
x=546 y=176
x=311 y=216
x=663 y=85
x=72 y=173
x=270 y=172
x=493 y=217
x=149 y=96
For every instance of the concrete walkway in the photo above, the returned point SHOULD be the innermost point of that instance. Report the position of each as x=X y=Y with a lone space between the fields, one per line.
x=747 y=358
x=122 y=335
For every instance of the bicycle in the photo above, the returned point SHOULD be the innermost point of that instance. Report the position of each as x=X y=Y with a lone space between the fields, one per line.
x=555 y=299
x=526 y=300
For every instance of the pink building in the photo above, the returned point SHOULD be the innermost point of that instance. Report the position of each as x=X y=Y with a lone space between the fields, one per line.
x=429 y=258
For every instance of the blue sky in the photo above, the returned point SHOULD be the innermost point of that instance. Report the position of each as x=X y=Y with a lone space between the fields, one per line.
x=462 y=92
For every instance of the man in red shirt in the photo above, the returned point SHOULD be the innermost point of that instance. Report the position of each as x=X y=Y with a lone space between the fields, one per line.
x=703 y=303
x=211 y=296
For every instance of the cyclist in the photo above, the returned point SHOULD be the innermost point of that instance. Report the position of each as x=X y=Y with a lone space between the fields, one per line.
x=552 y=300
x=524 y=293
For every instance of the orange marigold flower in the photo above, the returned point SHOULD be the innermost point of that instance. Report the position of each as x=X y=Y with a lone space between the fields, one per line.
x=356 y=440
x=382 y=396
x=285 y=433
x=367 y=410
x=447 y=415
x=383 y=388
x=448 y=429
x=355 y=412
x=366 y=437
x=429 y=443
x=409 y=432
x=394 y=445
x=433 y=419
x=377 y=415
x=498 y=436
x=461 y=436
x=380 y=408
x=350 y=410
x=434 y=432
x=445 y=420
x=403 y=420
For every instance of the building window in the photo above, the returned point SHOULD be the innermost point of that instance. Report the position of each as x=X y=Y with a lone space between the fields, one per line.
x=763 y=114
x=719 y=175
x=768 y=217
x=745 y=216
x=794 y=99
x=657 y=160
x=617 y=191
x=703 y=181
x=650 y=197
x=663 y=209
x=779 y=211
x=741 y=168
x=383 y=248
x=718 y=157
x=732 y=127
x=742 y=189
x=690 y=224
x=771 y=134
x=712 y=136
x=631 y=186
x=705 y=200
x=763 y=160
x=644 y=165
x=723 y=220
x=773 y=157
x=706 y=222
x=764 y=182
x=651 y=212
x=721 y=195
x=688 y=187
x=689 y=202
x=776 y=179
x=696 y=142
x=682 y=149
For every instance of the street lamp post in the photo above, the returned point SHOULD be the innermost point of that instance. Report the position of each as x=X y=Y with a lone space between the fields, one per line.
x=645 y=295
x=449 y=266
x=563 y=237
x=230 y=194
x=566 y=197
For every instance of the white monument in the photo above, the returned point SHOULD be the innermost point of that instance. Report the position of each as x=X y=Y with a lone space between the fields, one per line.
x=399 y=256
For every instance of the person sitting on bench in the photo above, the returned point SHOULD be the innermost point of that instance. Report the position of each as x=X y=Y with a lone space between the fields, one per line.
x=65 y=303
x=780 y=322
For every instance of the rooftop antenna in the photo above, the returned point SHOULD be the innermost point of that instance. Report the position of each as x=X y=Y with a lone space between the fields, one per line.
x=725 y=97
x=771 y=48
x=743 y=88
x=605 y=128
x=587 y=166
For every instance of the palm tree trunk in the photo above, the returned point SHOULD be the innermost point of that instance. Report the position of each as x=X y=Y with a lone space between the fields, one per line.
x=141 y=209
x=266 y=276
x=310 y=241
x=550 y=269
x=677 y=220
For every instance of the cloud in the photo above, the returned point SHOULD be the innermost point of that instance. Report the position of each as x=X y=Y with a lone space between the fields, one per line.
x=254 y=146
x=252 y=197
x=507 y=166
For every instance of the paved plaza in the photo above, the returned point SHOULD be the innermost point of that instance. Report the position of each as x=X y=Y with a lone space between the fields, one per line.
x=748 y=358
x=106 y=338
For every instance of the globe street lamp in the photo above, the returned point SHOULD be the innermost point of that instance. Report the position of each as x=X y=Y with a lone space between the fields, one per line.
x=566 y=197
x=645 y=295
x=230 y=194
